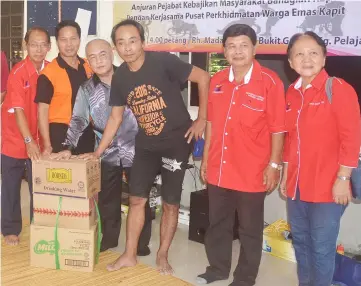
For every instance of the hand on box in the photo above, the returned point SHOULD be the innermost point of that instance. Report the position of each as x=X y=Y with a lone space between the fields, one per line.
x=47 y=151
x=63 y=155
x=89 y=156
x=33 y=151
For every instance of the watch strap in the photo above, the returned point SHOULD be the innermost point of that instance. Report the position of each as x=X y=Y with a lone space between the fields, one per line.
x=27 y=140
x=344 y=178
x=275 y=166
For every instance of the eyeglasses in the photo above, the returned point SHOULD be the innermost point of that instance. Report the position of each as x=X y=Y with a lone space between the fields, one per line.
x=233 y=48
x=42 y=46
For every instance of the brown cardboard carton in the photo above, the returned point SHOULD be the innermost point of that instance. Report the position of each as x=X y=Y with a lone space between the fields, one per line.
x=77 y=248
x=74 y=212
x=72 y=178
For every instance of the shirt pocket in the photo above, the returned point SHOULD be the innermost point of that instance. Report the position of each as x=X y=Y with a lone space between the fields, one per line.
x=317 y=113
x=252 y=112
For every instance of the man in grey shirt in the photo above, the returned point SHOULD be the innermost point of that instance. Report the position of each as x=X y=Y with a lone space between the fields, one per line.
x=91 y=106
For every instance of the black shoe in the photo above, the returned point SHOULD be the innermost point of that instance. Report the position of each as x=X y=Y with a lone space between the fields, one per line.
x=145 y=251
x=207 y=278
x=104 y=247
x=241 y=283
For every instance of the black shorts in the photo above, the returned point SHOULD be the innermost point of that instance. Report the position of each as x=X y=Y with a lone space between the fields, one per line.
x=170 y=159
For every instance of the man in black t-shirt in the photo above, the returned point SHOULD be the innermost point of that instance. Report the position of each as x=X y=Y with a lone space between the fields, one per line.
x=149 y=83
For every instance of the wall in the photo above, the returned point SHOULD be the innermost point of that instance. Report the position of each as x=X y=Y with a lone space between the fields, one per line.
x=104 y=28
x=275 y=207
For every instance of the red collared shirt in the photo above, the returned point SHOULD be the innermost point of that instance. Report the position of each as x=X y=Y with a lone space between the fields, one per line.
x=21 y=91
x=243 y=117
x=4 y=72
x=321 y=136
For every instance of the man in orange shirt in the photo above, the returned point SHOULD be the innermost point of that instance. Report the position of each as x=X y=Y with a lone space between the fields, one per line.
x=242 y=156
x=20 y=140
x=58 y=86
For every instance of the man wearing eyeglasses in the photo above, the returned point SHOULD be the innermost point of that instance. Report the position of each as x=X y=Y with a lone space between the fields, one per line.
x=4 y=75
x=242 y=156
x=20 y=139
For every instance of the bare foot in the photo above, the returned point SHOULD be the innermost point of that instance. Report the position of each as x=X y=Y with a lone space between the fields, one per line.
x=123 y=261
x=163 y=266
x=11 y=239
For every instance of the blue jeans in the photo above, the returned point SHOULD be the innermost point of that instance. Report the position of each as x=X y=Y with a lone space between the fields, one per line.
x=314 y=228
x=356 y=181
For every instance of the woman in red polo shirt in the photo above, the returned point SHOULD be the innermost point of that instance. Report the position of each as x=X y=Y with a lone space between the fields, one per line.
x=322 y=146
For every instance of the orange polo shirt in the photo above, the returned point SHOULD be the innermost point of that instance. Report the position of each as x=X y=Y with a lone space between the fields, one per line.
x=58 y=86
x=243 y=117
x=321 y=136
x=21 y=91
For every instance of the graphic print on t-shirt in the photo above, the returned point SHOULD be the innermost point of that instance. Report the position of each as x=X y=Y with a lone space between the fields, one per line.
x=147 y=104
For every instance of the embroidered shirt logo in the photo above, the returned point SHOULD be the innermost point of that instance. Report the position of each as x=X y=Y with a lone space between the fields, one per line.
x=316 y=103
x=218 y=89
x=288 y=106
x=171 y=164
x=255 y=96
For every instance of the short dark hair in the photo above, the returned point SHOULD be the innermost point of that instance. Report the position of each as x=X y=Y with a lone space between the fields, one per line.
x=311 y=34
x=239 y=30
x=39 y=29
x=128 y=22
x=67 y=23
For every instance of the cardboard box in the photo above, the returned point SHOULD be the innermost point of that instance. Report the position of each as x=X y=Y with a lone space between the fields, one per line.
x=77 y=248
x=275 y=243
x=72 y=178
x=74 y=212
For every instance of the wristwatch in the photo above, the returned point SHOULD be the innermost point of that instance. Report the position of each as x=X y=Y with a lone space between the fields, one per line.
x=27 y=140
x=275 y=166
x=344 y=178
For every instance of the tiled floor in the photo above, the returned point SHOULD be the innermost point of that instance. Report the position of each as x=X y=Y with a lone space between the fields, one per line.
x=189 y=259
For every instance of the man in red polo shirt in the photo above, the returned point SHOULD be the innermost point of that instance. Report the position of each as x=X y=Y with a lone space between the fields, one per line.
x=20 y=139
x=242 y=156
x=4 y=75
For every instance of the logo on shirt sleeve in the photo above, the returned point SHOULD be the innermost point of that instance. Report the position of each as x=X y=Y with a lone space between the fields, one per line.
x=218 y=89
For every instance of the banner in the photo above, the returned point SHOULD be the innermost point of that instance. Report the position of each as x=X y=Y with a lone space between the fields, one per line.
x=198 y=26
